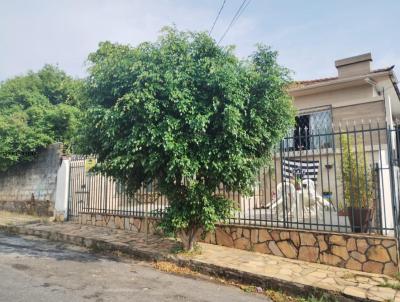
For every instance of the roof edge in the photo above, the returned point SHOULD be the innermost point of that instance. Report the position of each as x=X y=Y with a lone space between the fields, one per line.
x=316 y=81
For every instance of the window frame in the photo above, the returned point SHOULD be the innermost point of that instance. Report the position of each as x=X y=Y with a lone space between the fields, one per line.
x=295 y=139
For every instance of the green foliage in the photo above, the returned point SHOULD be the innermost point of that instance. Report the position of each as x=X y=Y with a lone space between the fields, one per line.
x=323 y=298
x=203 y=210
x=189 y=114
x=36 y=110
x=393 y=285
x=357 y=176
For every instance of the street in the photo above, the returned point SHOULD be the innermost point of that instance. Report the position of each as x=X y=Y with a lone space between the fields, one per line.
x=33 y=269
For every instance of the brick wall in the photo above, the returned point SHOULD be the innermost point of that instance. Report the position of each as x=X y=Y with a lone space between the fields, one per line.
x=30 y=187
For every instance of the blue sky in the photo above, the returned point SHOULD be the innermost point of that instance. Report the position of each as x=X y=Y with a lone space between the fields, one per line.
x=308 y=34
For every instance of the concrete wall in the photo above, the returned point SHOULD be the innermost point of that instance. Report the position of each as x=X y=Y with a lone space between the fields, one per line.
x=30 y=187
x=371 y=111
x=336 y=98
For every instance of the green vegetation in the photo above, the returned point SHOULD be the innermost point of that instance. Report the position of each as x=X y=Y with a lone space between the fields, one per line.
x=356 y=174
x=395 y=284
x=188 y=115
x=36 y=110
x=183 y=113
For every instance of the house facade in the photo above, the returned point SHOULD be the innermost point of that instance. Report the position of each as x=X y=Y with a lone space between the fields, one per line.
x=358 y=95
x=352 y=115
x=346 y=142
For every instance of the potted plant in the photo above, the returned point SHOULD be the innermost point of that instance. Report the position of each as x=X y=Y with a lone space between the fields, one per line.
x=358 y=186
x=297 y=182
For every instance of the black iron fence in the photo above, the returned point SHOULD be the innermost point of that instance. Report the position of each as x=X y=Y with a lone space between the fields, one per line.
x=343 y=179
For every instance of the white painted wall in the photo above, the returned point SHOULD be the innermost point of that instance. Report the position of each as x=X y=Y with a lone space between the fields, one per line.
x=386 y=194
x=61 y=205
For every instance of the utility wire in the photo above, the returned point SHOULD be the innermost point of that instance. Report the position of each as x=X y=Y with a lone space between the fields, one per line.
x=244 y=8
x=235 y=17
x=216 y=18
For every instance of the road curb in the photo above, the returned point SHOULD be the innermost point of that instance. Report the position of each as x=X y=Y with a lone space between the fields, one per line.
x=244 y=277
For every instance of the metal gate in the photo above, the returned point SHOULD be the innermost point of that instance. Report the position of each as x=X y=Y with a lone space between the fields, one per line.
x=78 y=192
x=96 y=193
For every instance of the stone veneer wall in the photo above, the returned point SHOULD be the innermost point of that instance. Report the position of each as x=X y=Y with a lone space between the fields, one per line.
x=361 y=252
x=129 y=223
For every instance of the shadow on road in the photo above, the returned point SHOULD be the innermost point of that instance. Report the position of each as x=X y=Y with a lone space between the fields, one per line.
x=36 y=247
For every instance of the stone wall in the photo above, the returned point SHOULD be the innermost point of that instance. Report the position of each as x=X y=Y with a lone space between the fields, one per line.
x=361 y=252
x=30 y=187
x=129 y=223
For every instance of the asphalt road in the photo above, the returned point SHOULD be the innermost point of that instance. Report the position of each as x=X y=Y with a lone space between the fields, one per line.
x=32 y=269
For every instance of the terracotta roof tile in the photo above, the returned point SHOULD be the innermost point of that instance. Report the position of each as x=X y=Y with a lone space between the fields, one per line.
x=298 y=84
x=315 y=81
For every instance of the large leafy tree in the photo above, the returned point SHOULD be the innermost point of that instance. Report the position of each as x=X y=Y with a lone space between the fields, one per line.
x=36 y=109
x=189 y=115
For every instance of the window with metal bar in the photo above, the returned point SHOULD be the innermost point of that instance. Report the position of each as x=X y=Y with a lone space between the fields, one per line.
x=313 y=130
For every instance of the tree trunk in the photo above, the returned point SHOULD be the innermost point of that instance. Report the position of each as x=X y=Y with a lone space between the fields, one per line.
x=189 y=238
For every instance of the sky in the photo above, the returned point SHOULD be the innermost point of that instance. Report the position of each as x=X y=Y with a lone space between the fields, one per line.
x=308 y=34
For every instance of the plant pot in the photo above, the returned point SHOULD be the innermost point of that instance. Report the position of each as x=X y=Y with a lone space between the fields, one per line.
x=359 y=219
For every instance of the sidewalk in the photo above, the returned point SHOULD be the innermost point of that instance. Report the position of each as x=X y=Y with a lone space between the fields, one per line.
x=9 y=218
x=266 y=271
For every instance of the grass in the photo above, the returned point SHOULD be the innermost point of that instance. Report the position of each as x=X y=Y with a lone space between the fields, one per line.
x=394 y=285
x=323 y=298
x=274 y=295
x=178 y=250
x=348 y=276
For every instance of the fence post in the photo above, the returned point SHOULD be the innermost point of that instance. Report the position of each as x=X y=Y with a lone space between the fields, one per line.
x=284 y=199
x=392 y=180
x=106 y=194
x=62 y=189
x=147 y=221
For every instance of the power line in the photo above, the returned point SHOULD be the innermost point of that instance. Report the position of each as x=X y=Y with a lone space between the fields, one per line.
x=240 y=10
x=244 y=8
x=216 y=18
x=233 y=20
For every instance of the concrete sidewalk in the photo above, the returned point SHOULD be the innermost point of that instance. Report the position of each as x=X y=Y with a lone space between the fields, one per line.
x=266 y=271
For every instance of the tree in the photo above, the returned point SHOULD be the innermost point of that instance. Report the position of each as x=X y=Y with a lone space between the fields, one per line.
x=36 y=110
x=189 y=115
